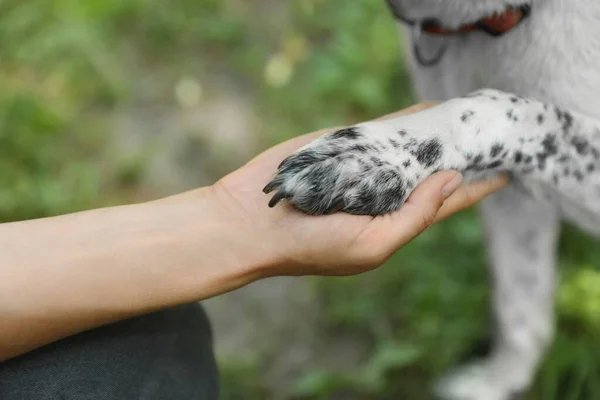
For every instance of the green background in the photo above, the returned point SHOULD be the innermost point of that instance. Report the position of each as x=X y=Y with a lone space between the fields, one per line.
x=68 y=67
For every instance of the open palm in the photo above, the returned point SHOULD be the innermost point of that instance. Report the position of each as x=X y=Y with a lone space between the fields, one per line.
x=338 y=244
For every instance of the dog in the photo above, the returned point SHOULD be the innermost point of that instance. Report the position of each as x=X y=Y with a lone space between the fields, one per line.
x=537 y=119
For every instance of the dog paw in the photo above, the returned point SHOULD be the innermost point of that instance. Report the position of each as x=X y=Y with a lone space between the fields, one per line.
x=359 y=170
x=474 y=382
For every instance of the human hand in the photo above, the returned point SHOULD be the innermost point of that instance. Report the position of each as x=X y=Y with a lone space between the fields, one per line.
x=340 y=244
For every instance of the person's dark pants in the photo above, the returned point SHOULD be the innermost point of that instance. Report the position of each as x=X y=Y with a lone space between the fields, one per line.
x=166 y=355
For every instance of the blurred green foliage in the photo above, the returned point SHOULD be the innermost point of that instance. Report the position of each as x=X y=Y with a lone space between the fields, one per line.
x=67 y=65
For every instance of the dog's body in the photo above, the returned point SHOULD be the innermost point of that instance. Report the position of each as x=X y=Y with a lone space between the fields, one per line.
x=550 y=145
x=553 y=56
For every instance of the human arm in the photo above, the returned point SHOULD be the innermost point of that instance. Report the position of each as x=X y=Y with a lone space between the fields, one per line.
x=66 y=274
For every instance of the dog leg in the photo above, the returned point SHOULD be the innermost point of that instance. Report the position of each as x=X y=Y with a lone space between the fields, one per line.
x=373 y=167
x=553 y=154
x=522 y=235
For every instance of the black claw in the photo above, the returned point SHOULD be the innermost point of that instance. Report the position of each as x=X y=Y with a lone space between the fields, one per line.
x=277 y=198
x=270 y=187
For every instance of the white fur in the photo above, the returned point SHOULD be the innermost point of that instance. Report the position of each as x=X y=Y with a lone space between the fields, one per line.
x=549 y=140
x=553 y=56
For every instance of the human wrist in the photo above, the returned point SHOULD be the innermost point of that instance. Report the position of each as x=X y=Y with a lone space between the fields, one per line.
x=227 y=249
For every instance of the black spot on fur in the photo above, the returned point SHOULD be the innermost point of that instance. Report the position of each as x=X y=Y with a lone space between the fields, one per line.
x=565 y=118
x=380 y=145
x=540 y=119
x=549 y=144
x=541 y=160
x=348 y=133
x=514 y=100
x=528 y=159
x=477 y=163
x=564 y=158
x=510 y=114
x=518 y=157
x=559 y=113
x=429 y=152
x=363 y=164
x=411 y=145
x=578 y=175
x=555 y=179
x=590 y=168
x=394 y=143
x=368 y=198
x=495 y=164
x=496 y=149
x=377 y=162
x=466 y=116
x=362 y=148
x=402 y=132
x=391 y=198
x=582 y=146
x=567 y=121
x=386 y=176
x=406 y=164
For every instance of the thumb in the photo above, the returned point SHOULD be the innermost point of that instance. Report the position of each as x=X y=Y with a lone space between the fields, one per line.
x=421 y=208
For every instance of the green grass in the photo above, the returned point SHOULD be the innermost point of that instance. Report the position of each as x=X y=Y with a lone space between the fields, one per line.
x=68 y=67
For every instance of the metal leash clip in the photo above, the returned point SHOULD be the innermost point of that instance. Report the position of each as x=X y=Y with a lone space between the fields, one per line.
x=417 y=36
x=496 y=24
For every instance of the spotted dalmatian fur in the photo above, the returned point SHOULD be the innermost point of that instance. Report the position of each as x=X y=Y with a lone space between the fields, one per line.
x=371 y=168
x=540 y=123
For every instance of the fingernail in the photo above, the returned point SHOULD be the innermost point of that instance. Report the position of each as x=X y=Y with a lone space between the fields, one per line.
x=451 y=186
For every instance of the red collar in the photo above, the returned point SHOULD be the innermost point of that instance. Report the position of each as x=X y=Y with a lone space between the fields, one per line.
x=494 y=25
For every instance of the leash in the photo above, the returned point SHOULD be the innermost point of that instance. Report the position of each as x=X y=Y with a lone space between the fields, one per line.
x=494 y=25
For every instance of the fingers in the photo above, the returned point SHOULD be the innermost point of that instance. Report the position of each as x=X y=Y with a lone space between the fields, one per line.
x=387 y=234
x=468 y=195
x=438 y=197
x=426 y=200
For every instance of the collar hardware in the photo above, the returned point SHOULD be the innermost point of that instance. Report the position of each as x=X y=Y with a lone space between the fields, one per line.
x=494 y=25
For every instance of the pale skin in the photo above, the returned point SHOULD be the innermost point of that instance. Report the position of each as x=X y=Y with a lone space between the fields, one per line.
x=63 y=275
